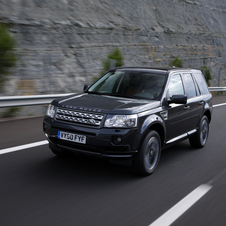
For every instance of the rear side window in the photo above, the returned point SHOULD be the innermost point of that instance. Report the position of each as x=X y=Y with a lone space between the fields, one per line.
x=189 y=85
x=197 y=87
x=201 y=83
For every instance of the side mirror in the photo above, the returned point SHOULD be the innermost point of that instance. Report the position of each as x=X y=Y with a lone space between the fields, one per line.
x=85 y=87
x=178 y=99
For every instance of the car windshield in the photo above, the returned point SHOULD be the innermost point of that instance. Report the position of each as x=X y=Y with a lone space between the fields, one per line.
x=140 y=85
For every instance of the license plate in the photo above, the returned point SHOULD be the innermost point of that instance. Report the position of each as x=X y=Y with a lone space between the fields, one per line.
x=72 y=137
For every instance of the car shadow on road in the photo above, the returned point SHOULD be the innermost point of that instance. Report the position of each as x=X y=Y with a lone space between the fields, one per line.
x=90 y=169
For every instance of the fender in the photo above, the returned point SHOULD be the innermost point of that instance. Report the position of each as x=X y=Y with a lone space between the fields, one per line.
x=155 y=121
x=208 y=106
x=208 y=109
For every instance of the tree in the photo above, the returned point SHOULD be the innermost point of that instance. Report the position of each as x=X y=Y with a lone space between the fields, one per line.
x=7 y=56
x=207 y=74
x=176 y=62
x=118 y=59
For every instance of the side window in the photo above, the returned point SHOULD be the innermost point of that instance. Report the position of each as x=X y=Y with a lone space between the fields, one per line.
x=189 y=85
x=175 y=85
x=196 y=87
x=201 y=83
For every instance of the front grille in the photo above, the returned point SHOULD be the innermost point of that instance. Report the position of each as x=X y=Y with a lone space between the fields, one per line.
x=85 y=118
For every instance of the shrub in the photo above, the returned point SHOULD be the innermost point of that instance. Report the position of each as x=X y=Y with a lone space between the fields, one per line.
x=10 y=112
x=176 y=62
x=116 y=56
x=207 y=74
x=7 y=56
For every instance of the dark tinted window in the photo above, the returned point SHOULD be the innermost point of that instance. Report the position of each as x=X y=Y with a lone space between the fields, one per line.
x=201 y=83
x=135 y=84
x=189 y=85
x=197 y=87
x=175 y=85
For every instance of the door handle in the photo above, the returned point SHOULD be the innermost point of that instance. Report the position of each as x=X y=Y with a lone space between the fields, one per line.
x=186 y=107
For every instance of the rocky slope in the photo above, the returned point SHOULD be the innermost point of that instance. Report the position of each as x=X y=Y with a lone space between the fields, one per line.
x=61 y=43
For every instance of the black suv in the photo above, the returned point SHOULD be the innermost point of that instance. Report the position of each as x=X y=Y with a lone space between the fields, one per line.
x=130 y=114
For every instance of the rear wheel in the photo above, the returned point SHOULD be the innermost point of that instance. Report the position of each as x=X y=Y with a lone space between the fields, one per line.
x=200 y=138
x=146 y=160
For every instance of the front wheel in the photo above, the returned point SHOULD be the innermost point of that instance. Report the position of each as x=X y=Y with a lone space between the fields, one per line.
x=146 y=160
x=200 y=138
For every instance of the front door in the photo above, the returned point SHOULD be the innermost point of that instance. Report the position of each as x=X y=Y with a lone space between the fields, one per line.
x=177 y=122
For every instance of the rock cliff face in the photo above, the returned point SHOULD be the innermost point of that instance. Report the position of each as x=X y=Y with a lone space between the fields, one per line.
x=61 y=43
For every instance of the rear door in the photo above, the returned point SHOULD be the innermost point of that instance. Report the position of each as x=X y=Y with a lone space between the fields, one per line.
x=194 y=104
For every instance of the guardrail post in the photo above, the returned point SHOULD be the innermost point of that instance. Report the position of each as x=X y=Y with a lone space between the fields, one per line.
x=219 y=81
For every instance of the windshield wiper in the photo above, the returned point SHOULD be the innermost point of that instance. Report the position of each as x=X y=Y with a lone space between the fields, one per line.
x=115 y=95
x=124 y=96
x=102 y=93
x=119 y=95
x=97 y=93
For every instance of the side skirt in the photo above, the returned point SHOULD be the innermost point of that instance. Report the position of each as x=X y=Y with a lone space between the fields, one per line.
x=180 y=138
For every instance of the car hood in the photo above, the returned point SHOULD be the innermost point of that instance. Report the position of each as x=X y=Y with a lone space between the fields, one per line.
x=106 y=104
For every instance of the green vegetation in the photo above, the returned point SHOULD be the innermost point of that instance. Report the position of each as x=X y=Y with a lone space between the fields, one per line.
x=207 y=74
x=206 y=71
x=10 y=112
x=7 y=56
x=176 y=62
x=118 y=59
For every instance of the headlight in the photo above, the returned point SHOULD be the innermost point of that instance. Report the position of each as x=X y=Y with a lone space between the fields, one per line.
x=124 y=121
x=51 y=111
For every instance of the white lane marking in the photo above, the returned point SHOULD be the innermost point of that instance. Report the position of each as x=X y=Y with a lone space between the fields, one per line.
x=218 y=105
x=21 y=147
x=176 y=211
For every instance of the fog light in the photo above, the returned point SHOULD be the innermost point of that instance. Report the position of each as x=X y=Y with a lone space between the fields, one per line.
x=116 y=140
x=119 y=139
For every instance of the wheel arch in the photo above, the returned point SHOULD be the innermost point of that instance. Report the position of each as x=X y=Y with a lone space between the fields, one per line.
x=208 y=115
x=159 y=128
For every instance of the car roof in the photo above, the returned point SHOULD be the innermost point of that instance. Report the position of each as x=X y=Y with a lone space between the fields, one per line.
x=162 y=69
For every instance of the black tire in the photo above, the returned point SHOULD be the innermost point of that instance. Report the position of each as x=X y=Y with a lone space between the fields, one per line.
x=147 y=158
x=61 y=153
x=200 y=137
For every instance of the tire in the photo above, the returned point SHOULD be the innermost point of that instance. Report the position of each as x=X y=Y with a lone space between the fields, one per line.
x=61 y=153
x=200 y=137
x=147 y=158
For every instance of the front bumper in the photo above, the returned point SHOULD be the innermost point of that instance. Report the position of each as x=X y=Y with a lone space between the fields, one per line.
x=101 y=142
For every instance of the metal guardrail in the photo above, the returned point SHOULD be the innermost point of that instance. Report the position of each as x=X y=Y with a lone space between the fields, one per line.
x=217 y=89
x=16 y=101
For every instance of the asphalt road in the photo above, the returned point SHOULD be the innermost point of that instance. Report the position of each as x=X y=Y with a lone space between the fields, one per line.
x=37 y=188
